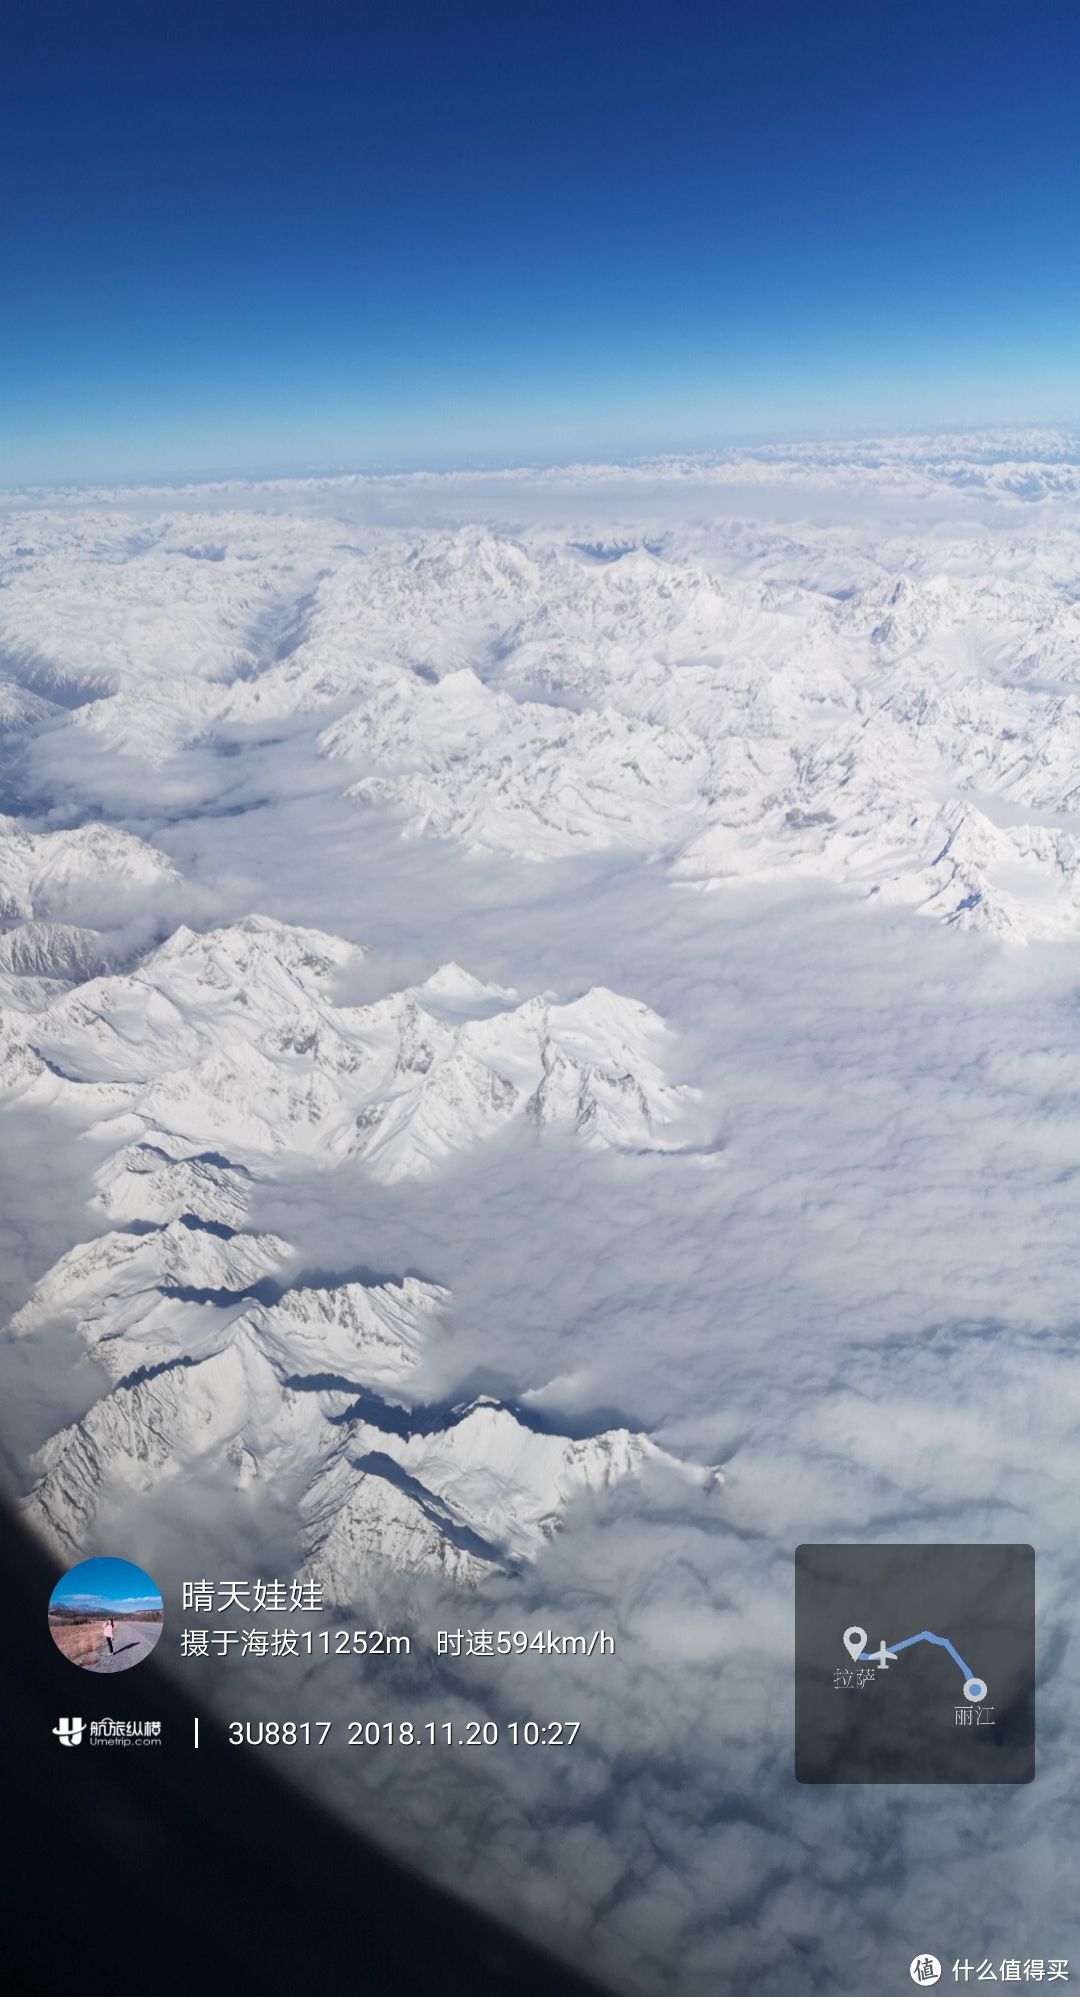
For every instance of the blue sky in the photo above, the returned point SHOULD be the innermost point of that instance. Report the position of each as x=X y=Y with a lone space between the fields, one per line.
x=240 y=237
x=105 y=1584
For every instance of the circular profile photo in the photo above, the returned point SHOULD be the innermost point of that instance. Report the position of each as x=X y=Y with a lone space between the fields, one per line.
x=106 y=1615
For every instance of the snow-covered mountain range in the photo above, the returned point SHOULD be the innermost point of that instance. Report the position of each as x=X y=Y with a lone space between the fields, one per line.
x=222 y=1366
x=215 y=1058
x=898 y=713
x=892 y=711
x=231 y=1040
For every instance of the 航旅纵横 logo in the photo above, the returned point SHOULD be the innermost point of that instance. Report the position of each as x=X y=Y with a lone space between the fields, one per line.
x=109 y=1733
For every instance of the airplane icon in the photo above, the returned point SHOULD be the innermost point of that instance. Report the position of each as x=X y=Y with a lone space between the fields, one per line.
x=882 y=1656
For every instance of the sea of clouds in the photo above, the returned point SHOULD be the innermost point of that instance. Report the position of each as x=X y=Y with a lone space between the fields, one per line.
x=858 y=1297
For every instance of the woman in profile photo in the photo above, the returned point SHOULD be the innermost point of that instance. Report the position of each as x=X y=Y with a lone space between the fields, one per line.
x=91 y=1601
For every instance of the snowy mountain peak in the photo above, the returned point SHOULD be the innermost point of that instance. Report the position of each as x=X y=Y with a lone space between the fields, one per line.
x=158 y=1180
x=78 y=876
x=484 y=1492
x=61 y=951
x=455 y=991
x=230 y=1042
x=224 y=1368
x=251 y=947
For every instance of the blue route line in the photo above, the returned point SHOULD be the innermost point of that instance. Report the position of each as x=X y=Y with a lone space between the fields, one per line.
x=924 y=1636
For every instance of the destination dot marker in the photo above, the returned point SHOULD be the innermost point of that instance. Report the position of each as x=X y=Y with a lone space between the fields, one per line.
x=855 y=1640
x=974 y=1689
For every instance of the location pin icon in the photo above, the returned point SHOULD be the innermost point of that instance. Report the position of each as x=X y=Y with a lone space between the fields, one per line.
x=855 y=1640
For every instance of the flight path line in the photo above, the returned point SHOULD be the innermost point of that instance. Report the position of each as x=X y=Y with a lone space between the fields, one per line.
x=924 y=1636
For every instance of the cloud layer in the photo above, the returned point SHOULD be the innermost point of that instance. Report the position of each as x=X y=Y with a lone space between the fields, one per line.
x=782 y=748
